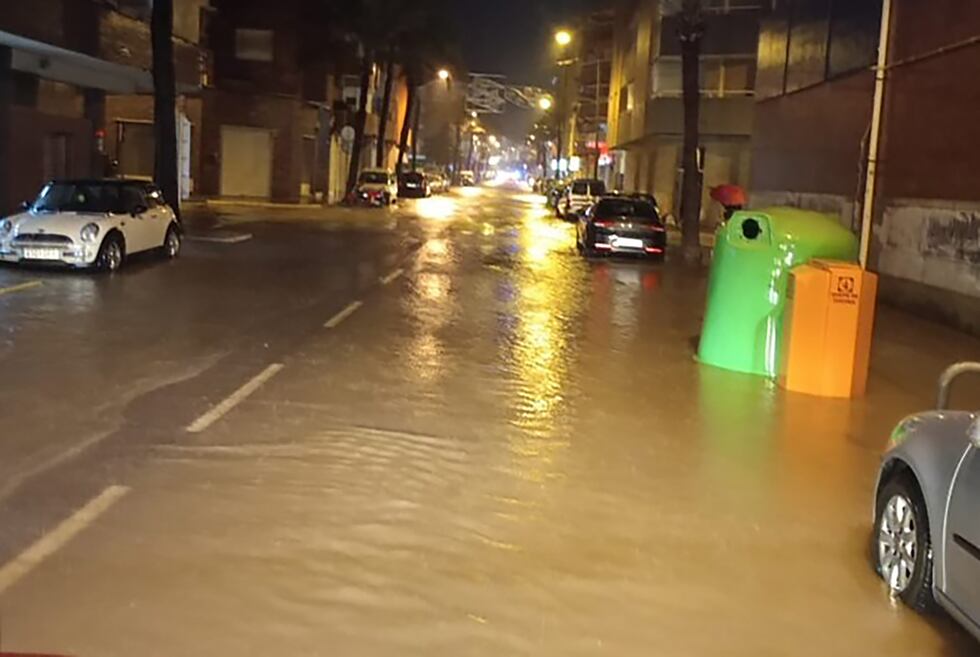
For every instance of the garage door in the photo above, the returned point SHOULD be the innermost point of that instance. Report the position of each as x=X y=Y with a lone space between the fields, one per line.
x=246 y=162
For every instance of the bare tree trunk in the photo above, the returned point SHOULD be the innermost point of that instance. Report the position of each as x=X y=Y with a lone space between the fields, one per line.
x=165 y=102
x=416 y=120
x=381 y=151
x=406 y=123
x=360 y=122
x=691 y=34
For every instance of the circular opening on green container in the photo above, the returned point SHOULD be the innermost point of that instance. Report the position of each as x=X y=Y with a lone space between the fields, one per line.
x=751 y=229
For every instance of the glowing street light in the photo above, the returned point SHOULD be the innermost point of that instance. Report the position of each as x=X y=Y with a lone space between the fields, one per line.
x=443 y=74
x=544 y=103
x=563 y=37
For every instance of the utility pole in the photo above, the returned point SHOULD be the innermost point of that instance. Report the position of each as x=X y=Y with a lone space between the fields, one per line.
x=598 y=83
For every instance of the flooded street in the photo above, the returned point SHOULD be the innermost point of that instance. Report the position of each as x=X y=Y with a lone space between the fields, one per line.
x=434 y=431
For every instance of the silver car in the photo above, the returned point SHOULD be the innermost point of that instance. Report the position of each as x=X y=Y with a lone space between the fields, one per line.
x=926 y=543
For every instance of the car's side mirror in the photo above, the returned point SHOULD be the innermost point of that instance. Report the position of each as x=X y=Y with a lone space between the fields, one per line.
x=138 y=210
x=25 y=205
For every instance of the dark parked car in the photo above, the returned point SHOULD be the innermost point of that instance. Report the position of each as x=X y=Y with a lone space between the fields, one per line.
x=619 y=224
x=413 y=184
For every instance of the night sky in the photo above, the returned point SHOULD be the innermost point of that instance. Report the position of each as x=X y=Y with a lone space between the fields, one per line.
x=514 y=38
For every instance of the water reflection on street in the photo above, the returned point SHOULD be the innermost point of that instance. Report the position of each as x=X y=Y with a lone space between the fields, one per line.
x=510 y=451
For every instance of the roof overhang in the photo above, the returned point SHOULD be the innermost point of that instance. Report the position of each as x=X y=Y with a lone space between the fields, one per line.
x=63 y=65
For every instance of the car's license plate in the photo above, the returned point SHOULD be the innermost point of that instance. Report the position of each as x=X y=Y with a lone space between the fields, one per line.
x=628 y=243
x=42 y=254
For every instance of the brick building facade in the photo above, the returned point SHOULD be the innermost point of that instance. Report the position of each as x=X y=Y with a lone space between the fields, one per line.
x=64 y=78
x=813 y=119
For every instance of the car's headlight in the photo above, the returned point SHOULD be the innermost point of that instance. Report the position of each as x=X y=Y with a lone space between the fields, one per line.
x=90 y=232
x=6 y=226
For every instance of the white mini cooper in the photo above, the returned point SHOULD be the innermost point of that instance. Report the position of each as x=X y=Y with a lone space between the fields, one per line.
x=90 y=223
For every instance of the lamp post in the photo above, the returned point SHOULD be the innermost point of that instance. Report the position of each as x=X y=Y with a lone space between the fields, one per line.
x=564 y=39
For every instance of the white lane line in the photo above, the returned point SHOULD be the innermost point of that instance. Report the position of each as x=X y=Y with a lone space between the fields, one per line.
x=20 y=287
x=392 y=276
x=236 y=398
x=335 y=321
x=58 y=537
x=220 y=239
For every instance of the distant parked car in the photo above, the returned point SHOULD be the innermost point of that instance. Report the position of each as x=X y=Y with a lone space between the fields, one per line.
x=437 y=182
x=926 y=542
x=580 y=195
x=467 y=178
x=414 y=184
x=376 y=187
x=556 y=194
x=618 y=224
x=90 y=223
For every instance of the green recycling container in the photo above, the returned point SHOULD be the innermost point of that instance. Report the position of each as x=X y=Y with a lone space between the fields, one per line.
x=753 y=255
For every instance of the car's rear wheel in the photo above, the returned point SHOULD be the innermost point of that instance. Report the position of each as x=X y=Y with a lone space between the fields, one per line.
x=172 y=243
x=902 y=547
x=111 y=254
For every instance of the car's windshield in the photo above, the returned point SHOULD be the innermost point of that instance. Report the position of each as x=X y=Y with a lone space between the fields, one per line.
x=636 y=211
x=82 y=197
x=374 y=177
x=588 y=188
x=413 y=177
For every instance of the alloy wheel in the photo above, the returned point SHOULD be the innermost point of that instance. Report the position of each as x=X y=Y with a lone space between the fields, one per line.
x=897 y=543
x=172 y=245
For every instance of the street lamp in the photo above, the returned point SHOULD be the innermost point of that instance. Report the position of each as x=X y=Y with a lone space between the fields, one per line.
x=443 y=74
x=544 y=103
x=563 y=37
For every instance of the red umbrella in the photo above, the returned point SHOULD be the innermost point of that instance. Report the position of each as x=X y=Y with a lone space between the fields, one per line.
x=729 y=195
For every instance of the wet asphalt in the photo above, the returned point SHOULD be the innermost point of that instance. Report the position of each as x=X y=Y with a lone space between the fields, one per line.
x=434 y=430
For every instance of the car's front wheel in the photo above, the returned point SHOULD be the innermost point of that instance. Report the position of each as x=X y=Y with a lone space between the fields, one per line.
x=111 y=254
x=172 y=243
x=902 y=547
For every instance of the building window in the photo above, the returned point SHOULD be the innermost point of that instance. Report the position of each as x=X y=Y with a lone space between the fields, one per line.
x=624 y=99
x=667 y=77
x=730 y=5
x=254 y=45
x=719 y=76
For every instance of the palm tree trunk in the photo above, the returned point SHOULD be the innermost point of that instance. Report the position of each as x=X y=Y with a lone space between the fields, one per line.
x=165 y=102
x=381 y=152
x=406 y=123
x=691 y=34
x=360 y=122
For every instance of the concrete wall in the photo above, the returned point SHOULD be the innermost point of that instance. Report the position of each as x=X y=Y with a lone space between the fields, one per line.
x=809 y=152
x=281 y=115
x=810 y=141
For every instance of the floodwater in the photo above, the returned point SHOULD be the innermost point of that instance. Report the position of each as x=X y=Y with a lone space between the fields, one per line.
x=507 y=450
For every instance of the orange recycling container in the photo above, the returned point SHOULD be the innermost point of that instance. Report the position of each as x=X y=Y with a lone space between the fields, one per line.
x=830 y=316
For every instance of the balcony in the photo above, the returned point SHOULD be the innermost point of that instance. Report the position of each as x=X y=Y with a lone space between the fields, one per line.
x=729 y=116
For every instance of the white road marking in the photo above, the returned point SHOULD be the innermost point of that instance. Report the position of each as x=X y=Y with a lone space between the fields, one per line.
x=392 y=276
x=58 y=537
x=220 y=239
x=237 y=397
x=20 y=287
x=335 y=321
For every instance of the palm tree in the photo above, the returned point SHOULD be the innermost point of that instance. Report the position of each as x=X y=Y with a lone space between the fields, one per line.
x=691 y=33
x=423 y=50
x=381 y=150
x=165 y=101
